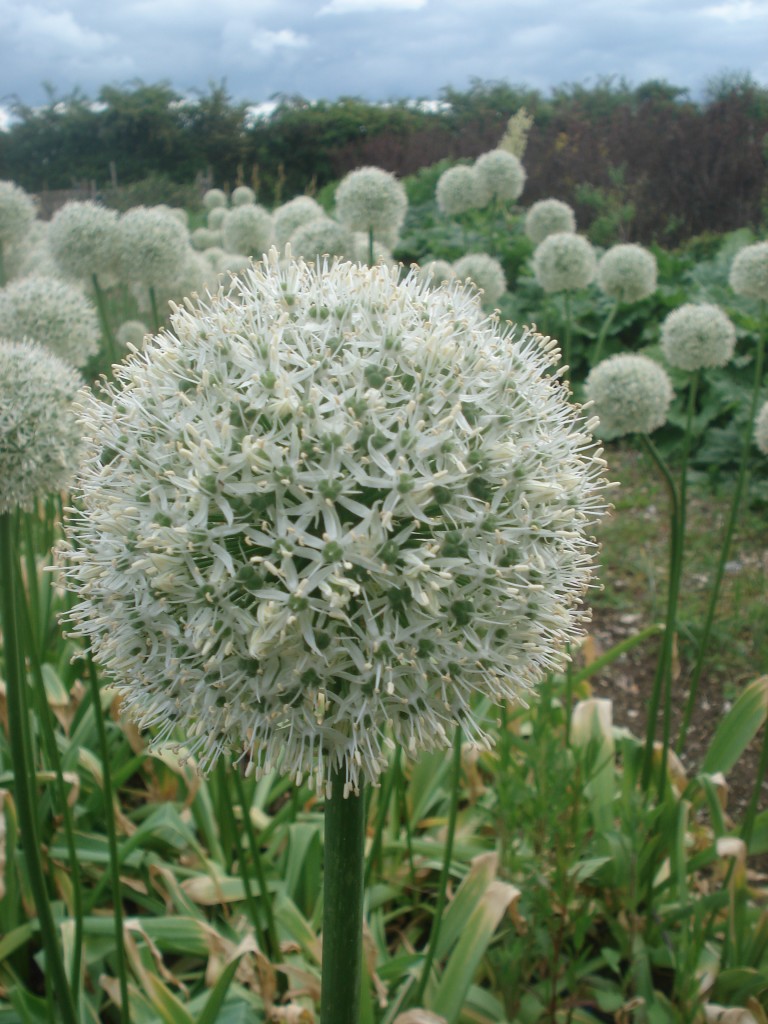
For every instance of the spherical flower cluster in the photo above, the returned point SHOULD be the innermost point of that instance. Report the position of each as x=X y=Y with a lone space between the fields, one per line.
x=627 y=273
x=370 y=199
x=178 y=212
x=761 y=429
x=205 y=238
x=53 y=313
x=292 y=215
x=243 y=195
x=193 y=275
x=31 y=254
x=749 y=271
x=83 y=239
x=564 y=262
x=17 y=211
x=215 y=217
x=549 y=217
x=360 y=249
x=436 y=272
x=459 y=189
x=131 y=332
x=696 y=336
x=324 y=513
x=320 y=237
x=39 y=432
x=501 y=174
x=152 y=245
x=485 y=272
x=247 y=230
x=631 y=394
x=214 y=198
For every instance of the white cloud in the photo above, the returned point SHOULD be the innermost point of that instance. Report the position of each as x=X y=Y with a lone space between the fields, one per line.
x=265 y=41
x=53 y=30
x=737 y=10
x=356 y=6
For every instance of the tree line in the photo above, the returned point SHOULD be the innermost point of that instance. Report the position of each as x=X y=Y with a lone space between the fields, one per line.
x=650 y=161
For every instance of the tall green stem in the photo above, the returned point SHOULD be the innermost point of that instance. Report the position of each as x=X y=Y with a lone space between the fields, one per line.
x=662 y=682
x=18 y=739
x=567 y=330
x=344 y=863
x=597 y=352
x=738 y=492
x=106 y=329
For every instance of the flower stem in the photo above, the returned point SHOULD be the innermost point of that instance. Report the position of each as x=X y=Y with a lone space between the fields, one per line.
x=18 y=738
x=106 y=330
x=442 y=890
x=344 y=863
x=738 y=492
x=600 y=343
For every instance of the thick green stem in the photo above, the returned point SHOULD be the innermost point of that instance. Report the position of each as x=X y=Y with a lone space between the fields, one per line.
x=662 y=681
x=567 y=331
x=344 y=863
x=738 y=493
x=18 y=739
x=106 y=329
x=597 y=352
x=370 y=247
x=442 y=892
x=155 y=312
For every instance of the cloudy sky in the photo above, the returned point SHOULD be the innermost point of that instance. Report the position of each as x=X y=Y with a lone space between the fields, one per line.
x=376 y=49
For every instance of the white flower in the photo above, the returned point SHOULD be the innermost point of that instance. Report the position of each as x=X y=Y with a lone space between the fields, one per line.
x=370 y=199
x=214 y=198
x=761 y=429
x=321 y=236
x=83 y=240
x=460 y=189
x=247 y=230
x=17 y=212
x=131 y=332
x=205 y=238
x=627 y=273
x=435 y=272
x=631 y=394
x=564 y=262
x=501 y=174
x=243 y=195
x=53 y=313
x=749 y=271
x=697 y=336
x=215 y=217
x=39 y=433
x=324 y=513
x=485 y=272
x=549 y=217
x=359 y=249
x=152 y=245
x=291 y=215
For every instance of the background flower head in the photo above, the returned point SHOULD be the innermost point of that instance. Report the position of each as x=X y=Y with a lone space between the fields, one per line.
x=243 y=195
x=695 y=336
x=631 y=394
x=214 y=198
x=39 y=432
x=564 y=262
x=749 y=271
x=291 y=215
x=548 y=217
x=627 y=273
x=370 y=199
x=17 y=212
x=501 y=174
x=83 y=239
x=247 y=230
x=152 y=245
x=460 y=189
x=324 y=512
x=53 y=313
x=485 y=272
x=761 y=429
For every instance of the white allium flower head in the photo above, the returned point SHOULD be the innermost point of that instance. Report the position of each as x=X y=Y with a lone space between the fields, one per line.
x=749 y=271
x=153 y=245
x=436 y=272
x=215 y=217
x=696 y=336
x=192 y=275
x=243 y=195
x=485 y=272
x=39 y=432
x=31 y=254
x=549 y=217
x=502 y=174
x=178 y=212
x=761 y=429
x=214 y=198
x=627 y=273
x=631 y=394
x=215 y=255
x=324 y=513
x=291 y=215
x=460 y=189
x=247 y=230
x=359 y=249
x=53 y=313
x=205 y=238
x=17 y=212
x=564 y=262
x=131 y=332
x=370 y=199
x=83 y=239
x=321 y=237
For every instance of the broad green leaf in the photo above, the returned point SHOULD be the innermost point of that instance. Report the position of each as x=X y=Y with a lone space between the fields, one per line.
x=737 y=729
x=218 y=994
x=170 y=1008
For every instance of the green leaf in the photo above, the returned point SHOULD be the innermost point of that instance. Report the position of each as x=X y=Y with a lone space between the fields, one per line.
x=738 y=728
x=218 y=994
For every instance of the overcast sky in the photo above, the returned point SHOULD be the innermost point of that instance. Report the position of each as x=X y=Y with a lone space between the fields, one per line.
x=375 y=49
